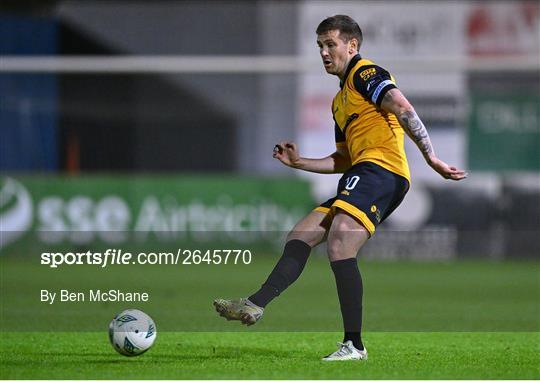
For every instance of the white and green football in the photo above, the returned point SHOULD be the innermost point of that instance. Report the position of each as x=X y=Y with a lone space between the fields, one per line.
x=132 y=332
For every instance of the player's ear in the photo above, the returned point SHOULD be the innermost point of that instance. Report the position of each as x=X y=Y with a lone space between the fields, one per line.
x=353 y=45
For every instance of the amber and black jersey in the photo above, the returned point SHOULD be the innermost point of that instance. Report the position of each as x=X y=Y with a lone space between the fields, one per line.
x=369 y=133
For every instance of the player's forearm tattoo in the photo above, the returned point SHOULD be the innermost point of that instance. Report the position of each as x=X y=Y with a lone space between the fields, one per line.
x=414 y=127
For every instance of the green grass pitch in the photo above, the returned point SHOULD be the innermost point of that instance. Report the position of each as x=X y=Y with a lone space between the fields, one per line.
x=269 y=355
x=473 y=320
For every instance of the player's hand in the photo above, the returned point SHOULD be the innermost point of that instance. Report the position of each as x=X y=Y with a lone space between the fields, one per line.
x=287 y=153
x=447 y=171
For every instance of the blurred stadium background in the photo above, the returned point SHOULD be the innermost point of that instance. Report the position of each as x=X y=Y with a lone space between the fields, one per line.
x=160 y=117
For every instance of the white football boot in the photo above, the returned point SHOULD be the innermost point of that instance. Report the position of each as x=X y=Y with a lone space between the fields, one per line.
x=347 y=351
x=240 y=309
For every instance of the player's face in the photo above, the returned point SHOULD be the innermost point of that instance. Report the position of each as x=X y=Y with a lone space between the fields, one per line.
x=335 y=52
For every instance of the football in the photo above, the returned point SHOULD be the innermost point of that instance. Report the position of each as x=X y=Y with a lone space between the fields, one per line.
x=132 y=332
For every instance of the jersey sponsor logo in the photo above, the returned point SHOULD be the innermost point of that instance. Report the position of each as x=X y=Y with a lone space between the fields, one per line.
x=379 y=88
x=368 y=73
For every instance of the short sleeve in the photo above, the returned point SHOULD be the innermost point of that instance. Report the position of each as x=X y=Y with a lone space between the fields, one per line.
x=373 y=82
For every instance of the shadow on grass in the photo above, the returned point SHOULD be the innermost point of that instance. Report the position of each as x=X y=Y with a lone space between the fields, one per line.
x=189 y=353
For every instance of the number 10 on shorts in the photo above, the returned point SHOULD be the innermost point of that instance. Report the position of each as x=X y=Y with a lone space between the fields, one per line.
x=350 y=182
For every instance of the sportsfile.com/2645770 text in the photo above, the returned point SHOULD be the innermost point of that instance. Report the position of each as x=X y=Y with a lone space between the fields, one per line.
x=119 y=257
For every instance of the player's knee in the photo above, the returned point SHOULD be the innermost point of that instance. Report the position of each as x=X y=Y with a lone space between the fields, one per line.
x=336 y=249
x=341 y=226
x=344 y=239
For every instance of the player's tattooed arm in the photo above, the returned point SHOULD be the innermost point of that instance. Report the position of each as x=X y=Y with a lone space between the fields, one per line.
x=395 y=102
x=416 y=130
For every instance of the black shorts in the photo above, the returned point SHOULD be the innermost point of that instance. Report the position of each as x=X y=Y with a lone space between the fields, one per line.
x=368 y=192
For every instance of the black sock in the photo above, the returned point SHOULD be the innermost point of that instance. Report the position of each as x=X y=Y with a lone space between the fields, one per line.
x=356 y=338
x=286 y=271
x=350 y=290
